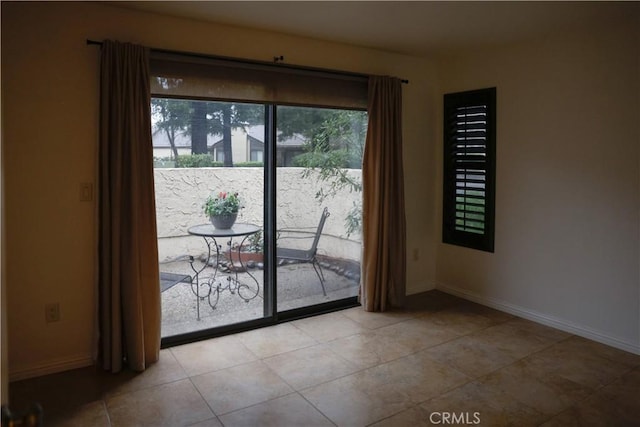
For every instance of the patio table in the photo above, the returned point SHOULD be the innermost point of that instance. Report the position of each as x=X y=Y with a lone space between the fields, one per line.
x=216 y=283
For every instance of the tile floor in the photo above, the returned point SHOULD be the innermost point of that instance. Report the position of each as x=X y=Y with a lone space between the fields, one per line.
x=441 y=357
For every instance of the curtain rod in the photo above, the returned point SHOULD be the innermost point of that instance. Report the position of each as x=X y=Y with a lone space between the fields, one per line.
x=275 y=64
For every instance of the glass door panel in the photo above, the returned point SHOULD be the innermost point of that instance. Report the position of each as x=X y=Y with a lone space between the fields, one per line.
x=318 y=205
x=210 y=278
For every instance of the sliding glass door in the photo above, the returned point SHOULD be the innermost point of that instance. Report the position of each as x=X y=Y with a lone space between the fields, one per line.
x=216 y=280
x=252 y=136
x=319 y=203
x=209 y=150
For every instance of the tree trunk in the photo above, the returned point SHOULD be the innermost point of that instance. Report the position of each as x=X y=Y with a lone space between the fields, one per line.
x=226 y=136
x=198 y=127
x=172 y=141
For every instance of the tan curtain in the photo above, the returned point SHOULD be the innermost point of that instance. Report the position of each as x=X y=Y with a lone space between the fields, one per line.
x=128 y=282
x=384 y=250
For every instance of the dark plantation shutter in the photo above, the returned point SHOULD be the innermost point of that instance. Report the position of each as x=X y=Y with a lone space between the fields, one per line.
x=468 y=142
x=469 y=168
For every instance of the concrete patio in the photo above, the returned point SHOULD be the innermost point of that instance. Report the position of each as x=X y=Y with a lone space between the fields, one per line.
x=298 y=286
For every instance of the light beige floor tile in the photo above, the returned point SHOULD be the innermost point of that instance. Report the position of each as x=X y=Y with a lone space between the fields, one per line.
x=430 y=302
x=567 y=419
x=625 y=393
x=173 y=404
x=471 y=307
x=81 y=387
x=417 y=334
x=492 y=407
x=287 y=411
x=166 y=370
x=373 y=367
x=369 y=349
x=211 y=422
x=547 y=332
x=91 y=414
x=376 y=393
x=458 y=322
x=420 y=417
x=471 y=356
x=582 y=345
x=353 y=401
x=274 y=340
x=516 y=339
x=211 y=355
x=416 y=377
x=547 y=393
x=328 y=326
x=310 y=366
x=582 y=367
x=375 y=320
x=240 y=386
x=594 y=411
x=412 y=417
x=570 y=419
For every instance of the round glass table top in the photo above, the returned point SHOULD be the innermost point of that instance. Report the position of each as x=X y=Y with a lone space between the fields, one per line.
x=238 y=229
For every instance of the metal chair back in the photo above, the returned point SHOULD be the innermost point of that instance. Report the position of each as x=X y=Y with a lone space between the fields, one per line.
x=316 y=238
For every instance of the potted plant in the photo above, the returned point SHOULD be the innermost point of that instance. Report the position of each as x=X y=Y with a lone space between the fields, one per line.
x=251 y=250
x=222 y=209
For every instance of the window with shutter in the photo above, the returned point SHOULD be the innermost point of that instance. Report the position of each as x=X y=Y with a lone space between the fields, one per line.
x=469 y=169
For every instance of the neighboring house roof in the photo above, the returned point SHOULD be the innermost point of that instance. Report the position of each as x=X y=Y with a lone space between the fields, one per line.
x=160 y=139
x=257 y=133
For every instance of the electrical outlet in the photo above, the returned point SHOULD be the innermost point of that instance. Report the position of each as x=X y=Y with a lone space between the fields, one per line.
x=52 y=312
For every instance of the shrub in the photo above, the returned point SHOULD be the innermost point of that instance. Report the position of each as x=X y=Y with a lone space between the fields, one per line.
x=249 y=164
x=196 y=161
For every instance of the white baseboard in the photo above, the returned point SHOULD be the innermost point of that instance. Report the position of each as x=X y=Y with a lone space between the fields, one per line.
x=50 y=367
x=542 y=318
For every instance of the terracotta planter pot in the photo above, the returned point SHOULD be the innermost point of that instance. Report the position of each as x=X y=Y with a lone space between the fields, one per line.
x=245 y=257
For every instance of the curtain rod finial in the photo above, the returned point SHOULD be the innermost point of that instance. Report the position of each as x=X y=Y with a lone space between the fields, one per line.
x=278 y=58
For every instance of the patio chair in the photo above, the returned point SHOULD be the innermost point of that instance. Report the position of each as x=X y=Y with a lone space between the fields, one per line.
x=307 y=255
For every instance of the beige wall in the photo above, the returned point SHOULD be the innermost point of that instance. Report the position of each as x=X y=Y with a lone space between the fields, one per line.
x=567 y=210
x=567 y=235
x=50 y=103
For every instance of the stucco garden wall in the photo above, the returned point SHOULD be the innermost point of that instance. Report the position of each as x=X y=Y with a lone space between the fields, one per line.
x=181 y=192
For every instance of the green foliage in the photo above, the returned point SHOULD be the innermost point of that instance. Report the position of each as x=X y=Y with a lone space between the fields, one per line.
x=198 y=119
x=206 y=161
x=255 y=243
x=235 y=115
x=321 y=159
x=336 y=144
x=249 y=164
x=196 y=161
x=329 y=168
x=224 y=203
x=163 y=162
x=353 y=221
x=327 y=130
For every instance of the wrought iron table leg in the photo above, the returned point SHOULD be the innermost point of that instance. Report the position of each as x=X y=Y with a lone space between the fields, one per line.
x=198 y=272
x=234 y=285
